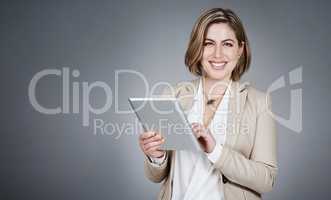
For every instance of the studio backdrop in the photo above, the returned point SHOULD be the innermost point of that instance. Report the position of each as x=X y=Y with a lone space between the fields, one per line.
x=68 y=68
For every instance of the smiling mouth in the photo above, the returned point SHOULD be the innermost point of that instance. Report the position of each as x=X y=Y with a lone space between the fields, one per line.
x=218 y=65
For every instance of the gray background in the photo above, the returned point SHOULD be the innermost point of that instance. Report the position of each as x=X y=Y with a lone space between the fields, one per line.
x=55 y=157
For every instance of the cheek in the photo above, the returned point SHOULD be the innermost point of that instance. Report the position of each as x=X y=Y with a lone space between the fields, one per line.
x=231 y=53
x=206 y=54
x=204 y=58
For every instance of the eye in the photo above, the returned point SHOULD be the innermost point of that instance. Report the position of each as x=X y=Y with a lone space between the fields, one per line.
x=207 y=43
x=228 y=44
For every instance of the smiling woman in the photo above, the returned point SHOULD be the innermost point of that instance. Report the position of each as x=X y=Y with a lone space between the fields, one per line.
x=231 y=121
x=221 y=51
x=220 y=38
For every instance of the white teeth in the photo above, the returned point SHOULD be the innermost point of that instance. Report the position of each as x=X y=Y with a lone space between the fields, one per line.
x=218 y=64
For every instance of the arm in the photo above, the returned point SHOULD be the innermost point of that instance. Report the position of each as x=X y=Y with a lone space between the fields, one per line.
x=156 y=173
x=257 y=173
x=158 y=169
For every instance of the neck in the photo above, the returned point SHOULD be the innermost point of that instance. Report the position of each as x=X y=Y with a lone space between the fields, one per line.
x=215 y=87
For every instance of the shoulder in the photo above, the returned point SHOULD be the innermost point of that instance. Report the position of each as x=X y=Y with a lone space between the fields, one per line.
x=259 y=99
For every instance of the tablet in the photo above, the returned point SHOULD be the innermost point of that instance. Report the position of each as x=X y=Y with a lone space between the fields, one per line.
x=165 y=116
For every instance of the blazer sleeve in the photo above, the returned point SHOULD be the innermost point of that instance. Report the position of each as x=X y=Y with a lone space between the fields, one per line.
x=259 y=172
x=157 y=173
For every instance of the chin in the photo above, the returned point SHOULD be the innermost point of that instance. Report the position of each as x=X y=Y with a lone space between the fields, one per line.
x=216 y=74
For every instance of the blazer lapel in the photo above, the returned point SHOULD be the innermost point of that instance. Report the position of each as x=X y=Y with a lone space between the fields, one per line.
x=238 y=94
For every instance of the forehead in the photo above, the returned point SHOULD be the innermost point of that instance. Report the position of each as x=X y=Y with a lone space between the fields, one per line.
x=220 y=31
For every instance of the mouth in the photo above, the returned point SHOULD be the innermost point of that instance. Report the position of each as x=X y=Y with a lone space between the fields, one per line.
x=218 y=65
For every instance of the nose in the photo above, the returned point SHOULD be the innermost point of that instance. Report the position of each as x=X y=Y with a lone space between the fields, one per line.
x=218 y=51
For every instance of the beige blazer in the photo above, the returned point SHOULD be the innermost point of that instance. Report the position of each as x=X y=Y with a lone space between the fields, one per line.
x=248 y=163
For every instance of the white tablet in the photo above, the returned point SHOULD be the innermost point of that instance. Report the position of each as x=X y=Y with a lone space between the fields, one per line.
x=165 y=115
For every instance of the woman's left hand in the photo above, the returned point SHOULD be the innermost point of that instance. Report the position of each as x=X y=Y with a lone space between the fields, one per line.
x=204 y=136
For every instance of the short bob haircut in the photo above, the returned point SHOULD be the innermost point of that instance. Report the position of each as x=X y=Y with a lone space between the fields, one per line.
x=194 y=51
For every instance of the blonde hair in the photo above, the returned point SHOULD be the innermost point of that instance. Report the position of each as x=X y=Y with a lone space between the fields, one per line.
x=195 y=47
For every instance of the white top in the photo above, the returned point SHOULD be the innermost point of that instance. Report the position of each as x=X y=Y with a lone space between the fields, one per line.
x=194 y=175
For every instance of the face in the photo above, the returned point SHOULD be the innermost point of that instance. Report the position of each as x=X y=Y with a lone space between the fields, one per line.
x=221 y=52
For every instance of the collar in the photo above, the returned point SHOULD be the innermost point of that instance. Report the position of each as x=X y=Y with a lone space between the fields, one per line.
x=186 y=92
x=199 y=92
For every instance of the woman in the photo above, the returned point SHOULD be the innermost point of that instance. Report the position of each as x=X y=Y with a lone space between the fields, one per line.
x=231 y=121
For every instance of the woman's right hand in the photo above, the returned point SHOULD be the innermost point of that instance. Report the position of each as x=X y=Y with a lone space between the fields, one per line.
x=150 y=143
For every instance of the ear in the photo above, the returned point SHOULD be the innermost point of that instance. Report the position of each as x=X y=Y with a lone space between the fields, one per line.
x=241 y=49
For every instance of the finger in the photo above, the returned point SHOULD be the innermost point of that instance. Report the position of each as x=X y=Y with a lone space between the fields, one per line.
x=197 y=129
x=198 y=126
x=152 y=139
x=157 y=153
x=153 y=144
x=147 y=134
x=154 y=149
x=199 y=132
x=194 y=124
x=201 y=126
x=196 y=133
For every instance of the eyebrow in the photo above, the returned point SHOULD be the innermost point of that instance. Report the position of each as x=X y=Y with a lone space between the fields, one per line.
x=222 y=40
